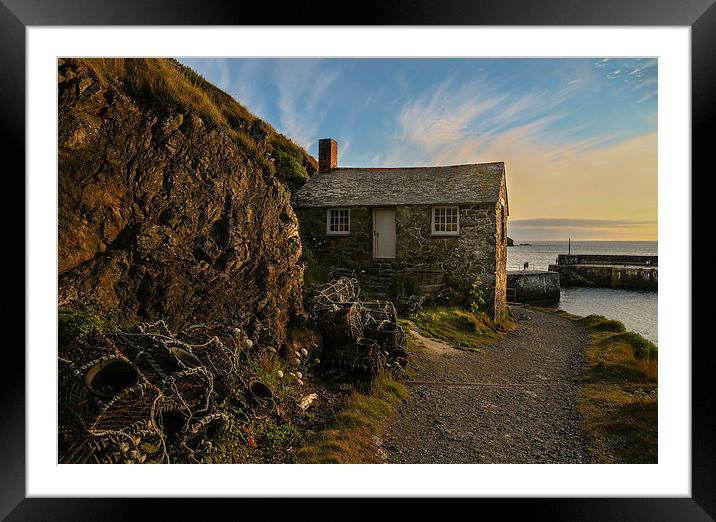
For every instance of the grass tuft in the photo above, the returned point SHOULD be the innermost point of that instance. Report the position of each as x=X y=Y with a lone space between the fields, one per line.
x=463 y=329
x=642 y=348
x=599 y=323
x=360 y=422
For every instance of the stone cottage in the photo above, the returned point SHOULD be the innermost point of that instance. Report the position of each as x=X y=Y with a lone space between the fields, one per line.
x=439 y=224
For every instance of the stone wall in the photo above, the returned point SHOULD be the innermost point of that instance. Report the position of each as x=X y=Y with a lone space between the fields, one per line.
x=608 y=276
x=473 y=253
x=533 y=286
x=501 y=211
x=606 y=259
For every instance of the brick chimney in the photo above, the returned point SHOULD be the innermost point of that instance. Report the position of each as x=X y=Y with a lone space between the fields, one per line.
x=327 y=155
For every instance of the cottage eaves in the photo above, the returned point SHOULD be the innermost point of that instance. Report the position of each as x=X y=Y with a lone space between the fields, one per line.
x=352 y=187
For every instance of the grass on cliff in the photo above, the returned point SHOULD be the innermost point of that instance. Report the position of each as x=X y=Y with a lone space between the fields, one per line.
x=166 y=83
x=461 y=328
x=352 y=439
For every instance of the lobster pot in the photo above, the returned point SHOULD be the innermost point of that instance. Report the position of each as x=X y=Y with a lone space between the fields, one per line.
x=133 y=409
x=389 y=336
x=386 y=334
x=324 y=298
x=206 y=427
x=154 y=365
x=392 y=339
x=144 y=444
x=342 y=290
x=188 y=392
x=221 y=359
x=343 y=326
x=362 y=356
x=381 y=310
x=75 y=404
x=88 y=389
x=105 y=449
x=90 y=348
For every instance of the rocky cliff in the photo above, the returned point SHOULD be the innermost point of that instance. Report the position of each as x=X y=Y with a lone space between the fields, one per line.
x=174 y=200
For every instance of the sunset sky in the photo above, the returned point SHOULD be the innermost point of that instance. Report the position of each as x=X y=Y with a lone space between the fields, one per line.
x=578 y=136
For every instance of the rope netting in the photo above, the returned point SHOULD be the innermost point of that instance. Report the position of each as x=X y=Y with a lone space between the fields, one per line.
x=360 y=337
x=139 y=395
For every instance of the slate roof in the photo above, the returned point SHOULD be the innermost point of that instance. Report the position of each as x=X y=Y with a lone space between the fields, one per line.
x=350 y=187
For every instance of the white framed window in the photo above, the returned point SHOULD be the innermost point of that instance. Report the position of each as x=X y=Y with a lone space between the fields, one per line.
x=338 y=221
x=446 y=221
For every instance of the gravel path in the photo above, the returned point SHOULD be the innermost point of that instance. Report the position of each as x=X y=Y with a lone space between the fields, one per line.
x=513 y=402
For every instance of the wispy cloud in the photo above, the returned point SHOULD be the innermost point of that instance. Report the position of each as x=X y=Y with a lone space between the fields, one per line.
x=454 y=122
x=442 y=116
x=303 y=100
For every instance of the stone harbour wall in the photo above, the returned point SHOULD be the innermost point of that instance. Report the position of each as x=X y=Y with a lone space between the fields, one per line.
x=608 y=276
x=532 y=286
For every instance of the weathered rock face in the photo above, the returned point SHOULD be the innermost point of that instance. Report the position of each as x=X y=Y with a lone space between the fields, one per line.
x=162 y=215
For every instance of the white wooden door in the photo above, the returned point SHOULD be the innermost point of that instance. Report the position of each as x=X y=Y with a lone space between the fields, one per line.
x=384 y=233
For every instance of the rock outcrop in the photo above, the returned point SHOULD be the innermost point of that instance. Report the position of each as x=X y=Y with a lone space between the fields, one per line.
x=167 y=214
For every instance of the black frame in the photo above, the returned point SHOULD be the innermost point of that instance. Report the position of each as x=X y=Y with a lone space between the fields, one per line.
x=15 y=15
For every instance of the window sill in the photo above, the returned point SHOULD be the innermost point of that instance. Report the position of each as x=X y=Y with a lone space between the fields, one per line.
x=445 y=234
x=338 y=233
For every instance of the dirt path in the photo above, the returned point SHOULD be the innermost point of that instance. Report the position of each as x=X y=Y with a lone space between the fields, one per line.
x=513 y=402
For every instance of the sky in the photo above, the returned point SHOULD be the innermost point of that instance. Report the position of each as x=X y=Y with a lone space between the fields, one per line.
x=578 y=136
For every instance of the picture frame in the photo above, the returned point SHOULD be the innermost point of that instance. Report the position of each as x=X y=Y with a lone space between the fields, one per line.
x=700 y=15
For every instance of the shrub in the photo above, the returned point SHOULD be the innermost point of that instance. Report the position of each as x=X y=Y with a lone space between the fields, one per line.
x=402 y=286
x=466 y=294
x=476 y=296
x=290 y=168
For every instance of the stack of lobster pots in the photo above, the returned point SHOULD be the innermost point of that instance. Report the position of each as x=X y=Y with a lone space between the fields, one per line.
x=360 y=338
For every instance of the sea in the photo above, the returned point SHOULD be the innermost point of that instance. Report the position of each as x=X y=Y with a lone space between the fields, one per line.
x=638 y=310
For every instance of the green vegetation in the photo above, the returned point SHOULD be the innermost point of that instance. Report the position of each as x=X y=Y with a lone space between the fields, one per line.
x=167 y=84
x=290 y=164
x=617 y=399
x=80 y=318
x=402 y=286
x=599 y=323
x=476 y=296
x=465 y=293
x=351 y=439
x=464 y=329
x=317 y=266
x=616 y=355
x=255 y=436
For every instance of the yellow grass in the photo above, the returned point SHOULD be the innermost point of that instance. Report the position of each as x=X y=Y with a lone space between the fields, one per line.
x=352 y=440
